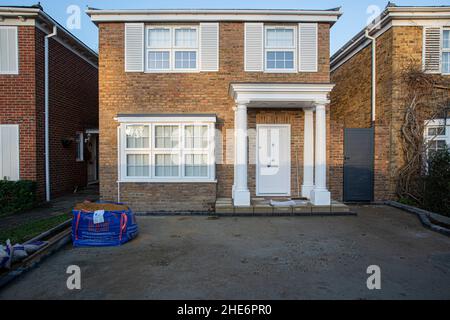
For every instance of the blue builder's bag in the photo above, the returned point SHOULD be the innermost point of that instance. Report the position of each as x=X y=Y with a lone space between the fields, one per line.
x=102 y=228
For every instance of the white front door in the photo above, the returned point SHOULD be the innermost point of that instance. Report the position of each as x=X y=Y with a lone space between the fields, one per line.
x=273 y=176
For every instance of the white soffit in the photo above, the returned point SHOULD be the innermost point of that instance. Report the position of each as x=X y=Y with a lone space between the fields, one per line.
x=214 y=15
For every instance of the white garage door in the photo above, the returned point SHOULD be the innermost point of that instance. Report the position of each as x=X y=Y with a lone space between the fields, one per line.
x=9 y=152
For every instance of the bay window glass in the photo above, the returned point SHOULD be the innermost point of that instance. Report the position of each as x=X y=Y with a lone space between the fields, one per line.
x=196 y=137
x=167 y=137
x=137 y=137
x=166 y=165
x=138 y=165
x=196 y=165
x=162 y=152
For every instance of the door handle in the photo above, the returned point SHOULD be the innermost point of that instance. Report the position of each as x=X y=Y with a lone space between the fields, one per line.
x=346 y=158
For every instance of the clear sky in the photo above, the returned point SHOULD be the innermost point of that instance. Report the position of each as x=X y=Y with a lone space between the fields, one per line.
x=356 y=12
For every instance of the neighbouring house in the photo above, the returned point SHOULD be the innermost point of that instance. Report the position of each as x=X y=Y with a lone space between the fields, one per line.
x=48 y=103
x=200 y=105
x=370 y=99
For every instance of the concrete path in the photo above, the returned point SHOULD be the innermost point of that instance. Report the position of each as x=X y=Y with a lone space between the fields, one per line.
x=255 y=258
x=54 y=208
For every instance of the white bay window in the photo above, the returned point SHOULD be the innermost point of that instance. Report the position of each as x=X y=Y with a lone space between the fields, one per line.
x=167 y=152
x=172 y=48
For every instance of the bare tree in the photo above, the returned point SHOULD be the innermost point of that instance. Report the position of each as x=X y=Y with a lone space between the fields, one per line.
x=423 y=104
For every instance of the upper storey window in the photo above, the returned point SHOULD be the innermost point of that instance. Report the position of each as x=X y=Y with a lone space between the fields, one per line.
x=9 y=56
x=280 y=49
x=172 y=49
x=446 y=51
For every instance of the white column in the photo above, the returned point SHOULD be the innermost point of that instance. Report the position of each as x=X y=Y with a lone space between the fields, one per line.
x=234 y=141
x=320 y=195
x=308 y=154
x=241 y=192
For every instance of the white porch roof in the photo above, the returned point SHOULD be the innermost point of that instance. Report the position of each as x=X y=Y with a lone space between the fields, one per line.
x=280 y=95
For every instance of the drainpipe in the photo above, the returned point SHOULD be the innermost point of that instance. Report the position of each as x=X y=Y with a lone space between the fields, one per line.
x=46 y=125
x=374 y=74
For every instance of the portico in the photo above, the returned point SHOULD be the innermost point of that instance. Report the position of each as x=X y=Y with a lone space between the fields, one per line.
x=311 y=99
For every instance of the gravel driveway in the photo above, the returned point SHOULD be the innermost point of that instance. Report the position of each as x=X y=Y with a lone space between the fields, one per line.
x=255 y=258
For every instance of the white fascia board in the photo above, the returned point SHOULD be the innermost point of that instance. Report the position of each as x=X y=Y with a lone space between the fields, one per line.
x=280 y=92
x=212 y=15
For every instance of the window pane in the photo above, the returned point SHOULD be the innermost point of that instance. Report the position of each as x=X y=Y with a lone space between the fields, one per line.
x=280 y=38
x=185 y=60
x=438 y=131
x=159 y=38
x=158 y=60
x=196 y=165
x=166 y=165
x=196 y=137
x=186 y=38
x=446 y=43
x=137 y=137
x=138 y=165
x=167 y=137
x=280 y=60
x=446 y=62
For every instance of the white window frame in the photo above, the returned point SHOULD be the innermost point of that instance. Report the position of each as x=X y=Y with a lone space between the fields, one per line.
x=436 y=124
x=16 y=71
x=80 y=146
x=443 y=50
x=173 y=49
x=294 y=49
x=181 y=151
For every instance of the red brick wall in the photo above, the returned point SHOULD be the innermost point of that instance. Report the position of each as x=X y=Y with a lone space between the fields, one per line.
x=122 y=92
x=73 y=107
x=17 y=102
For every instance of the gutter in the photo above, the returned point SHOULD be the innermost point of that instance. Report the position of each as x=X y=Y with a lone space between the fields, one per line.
x=47 y=124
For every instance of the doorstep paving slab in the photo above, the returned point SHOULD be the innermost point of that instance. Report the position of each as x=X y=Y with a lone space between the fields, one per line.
x=255 y=258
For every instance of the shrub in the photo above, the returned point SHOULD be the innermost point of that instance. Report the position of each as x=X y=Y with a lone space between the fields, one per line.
x=16 y=196
x=437 y=183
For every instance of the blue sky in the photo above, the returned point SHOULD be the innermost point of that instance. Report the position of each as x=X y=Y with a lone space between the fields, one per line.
x=354 y=19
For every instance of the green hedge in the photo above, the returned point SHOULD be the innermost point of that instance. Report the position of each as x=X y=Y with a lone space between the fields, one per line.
x=437 y=183
x=16 y=196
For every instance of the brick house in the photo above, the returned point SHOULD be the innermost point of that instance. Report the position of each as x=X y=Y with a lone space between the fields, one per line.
x=369 y=100
x=48 y=103
x=199 y=105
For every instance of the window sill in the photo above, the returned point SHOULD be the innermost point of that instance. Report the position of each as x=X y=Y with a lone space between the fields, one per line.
x=167 y=181
x=172 y=71
x=280 y=71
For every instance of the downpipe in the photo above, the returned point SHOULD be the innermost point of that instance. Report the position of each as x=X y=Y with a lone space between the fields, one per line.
x=46 y=113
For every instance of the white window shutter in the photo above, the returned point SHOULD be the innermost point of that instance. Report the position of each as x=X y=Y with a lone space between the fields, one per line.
x=308 y=47
x=134 y=47
x=254 y=47
x=432 y=49
x=209 y=46
x=9 y=62
x=9 y=152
